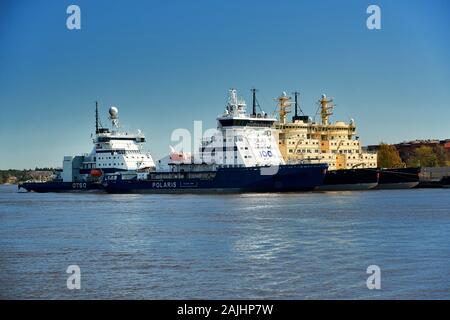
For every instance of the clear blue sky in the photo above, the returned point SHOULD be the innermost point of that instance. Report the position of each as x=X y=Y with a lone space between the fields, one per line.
x=168 y=63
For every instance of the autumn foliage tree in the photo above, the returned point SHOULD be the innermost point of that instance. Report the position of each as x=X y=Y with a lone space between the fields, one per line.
x=426 y=156
x=388 y=157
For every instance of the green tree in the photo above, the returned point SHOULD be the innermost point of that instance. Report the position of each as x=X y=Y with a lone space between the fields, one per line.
x=425 y=156
x=442 y=156
x=388 y=157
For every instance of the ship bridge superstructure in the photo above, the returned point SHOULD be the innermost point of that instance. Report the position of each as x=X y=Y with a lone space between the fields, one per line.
x=116 y=150
x=242 y=139
x=321 y=142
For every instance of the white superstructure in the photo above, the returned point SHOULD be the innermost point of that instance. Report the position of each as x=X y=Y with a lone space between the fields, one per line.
x=114 y=150
x=243 y=140
x=240 y=140
x=117 y=150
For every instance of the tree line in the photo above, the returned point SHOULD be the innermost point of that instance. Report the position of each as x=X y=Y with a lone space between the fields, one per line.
x=14 y=176
x=423 y=156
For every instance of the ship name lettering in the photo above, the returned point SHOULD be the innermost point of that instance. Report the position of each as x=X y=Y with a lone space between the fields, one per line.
x=164 y=185
x=79 y=185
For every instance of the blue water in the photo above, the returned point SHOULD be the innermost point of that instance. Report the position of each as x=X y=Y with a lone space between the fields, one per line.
x=271 y=246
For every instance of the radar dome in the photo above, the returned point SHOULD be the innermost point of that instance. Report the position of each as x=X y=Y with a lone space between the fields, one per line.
x=113 y=112
x=324 y=96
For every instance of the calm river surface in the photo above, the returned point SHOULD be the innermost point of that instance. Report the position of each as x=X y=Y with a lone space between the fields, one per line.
x=271 y=246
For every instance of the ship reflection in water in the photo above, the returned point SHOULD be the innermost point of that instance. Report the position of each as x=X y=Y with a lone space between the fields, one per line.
x=281 y=246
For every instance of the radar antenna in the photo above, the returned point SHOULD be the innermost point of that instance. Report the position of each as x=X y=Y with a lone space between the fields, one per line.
x=114 y=116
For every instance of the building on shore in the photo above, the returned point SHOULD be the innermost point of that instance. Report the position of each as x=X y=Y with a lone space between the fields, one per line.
x=406 y=149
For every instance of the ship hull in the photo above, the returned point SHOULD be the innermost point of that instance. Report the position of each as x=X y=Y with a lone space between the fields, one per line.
x=402 y=178
x=284 y=178
x=349 y=180
x=397 y=185
x=54 y=186
x=347 y=187
x=445 y=182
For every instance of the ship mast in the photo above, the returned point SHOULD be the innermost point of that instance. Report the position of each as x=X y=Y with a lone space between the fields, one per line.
x=253 y=90
x=296 y=103
x=296 y=116
x=96 y=118
x=284 y=102
x=326 y=109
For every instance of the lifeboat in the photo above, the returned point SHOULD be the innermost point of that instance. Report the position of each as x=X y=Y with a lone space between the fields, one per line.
x=96 y=173
x=179 y=156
